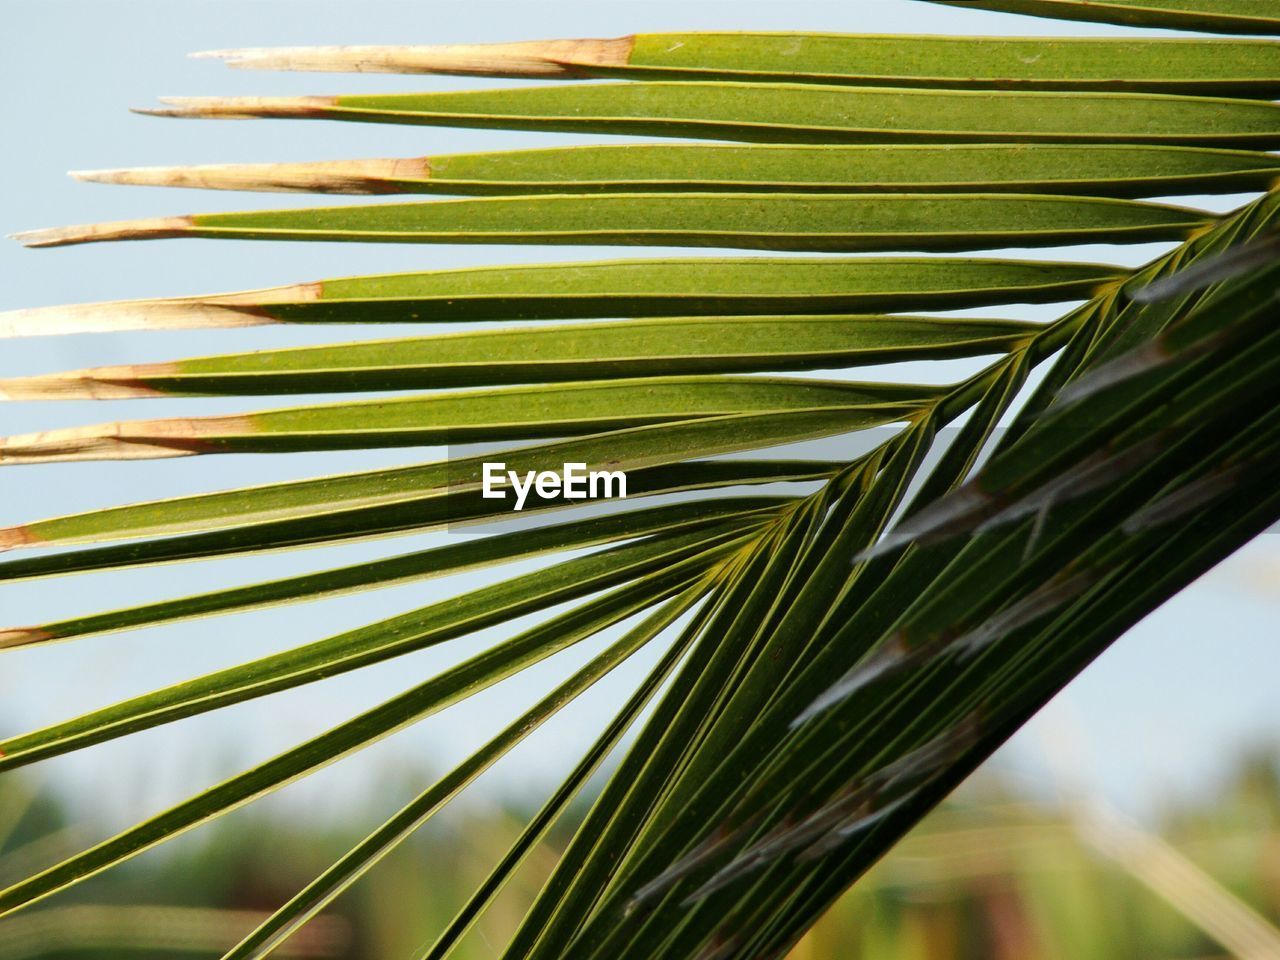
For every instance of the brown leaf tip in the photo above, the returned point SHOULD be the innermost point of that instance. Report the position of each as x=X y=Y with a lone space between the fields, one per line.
x=538 y=58
x=137 y=440
x=151 y=229
x=21 y=637
x=239 y=108
x=103 y=383
x=345 y=176
x=22 y=536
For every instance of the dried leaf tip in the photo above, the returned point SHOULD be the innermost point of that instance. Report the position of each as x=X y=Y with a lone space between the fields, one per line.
x=345 y=176
x=101 y=383
x=154 y=228
x=237 y=108
x=539 y=58
x=21 y=637
x=12 y=538
x=240 y=310
x=141 y=440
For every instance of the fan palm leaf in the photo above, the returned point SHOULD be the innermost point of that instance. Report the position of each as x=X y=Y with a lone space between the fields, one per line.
x=842 y=646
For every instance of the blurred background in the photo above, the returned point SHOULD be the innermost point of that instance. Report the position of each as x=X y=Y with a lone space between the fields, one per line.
x=1137 y=816
x=991 y=875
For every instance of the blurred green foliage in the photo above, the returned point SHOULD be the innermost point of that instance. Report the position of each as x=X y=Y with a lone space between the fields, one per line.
x=991 y=875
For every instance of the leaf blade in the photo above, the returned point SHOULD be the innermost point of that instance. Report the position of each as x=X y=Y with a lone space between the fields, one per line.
x=1215 y=66
x=549 y=354
x=464 y=417
x=329 y=497
x=369 y=852
x=682 y=477
x=1100 y=170
x=776 y=221
x=645 y=569
x=407 y=568
x=395 y=714
x=795 y=113
x=636 y=288
x=1212 y=16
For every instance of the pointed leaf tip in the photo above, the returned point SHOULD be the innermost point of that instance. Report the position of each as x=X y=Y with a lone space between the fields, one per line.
x=376 y=176
x=21 y=637
x=237 y=108
x=180 y=314
x=12 y=538
x=149 y=441
x=154 y=228
x=536 y=59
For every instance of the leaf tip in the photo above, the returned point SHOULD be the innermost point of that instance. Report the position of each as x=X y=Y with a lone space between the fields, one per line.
x=241 y=310
x=158 y=112
x=536 y=59
x=22 y=637
x=99 y=383
x=240 y=108
x=136 y=440
x=197 y=107
x=99 y=176
x=12 y=538
x=151 y=229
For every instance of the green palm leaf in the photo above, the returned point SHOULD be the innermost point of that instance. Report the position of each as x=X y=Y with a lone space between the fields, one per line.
x=673 y=519
x=550 y=354
x=1097 y=170
x=775 y=221
x=511 y=413
x=787 y=113
x=1052 y=63
x=852 y=639
x=1216 y=16
x=646 y=288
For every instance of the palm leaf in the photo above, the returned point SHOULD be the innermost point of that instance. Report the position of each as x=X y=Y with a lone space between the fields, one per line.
x=676 y=518
x=849 y=647
x=1098 y=170
x=510 y=413
x=1227 y=16
x=1049 y=63
x=787 y=113
x=644 y=288
x=550 y=354
x=775 y=221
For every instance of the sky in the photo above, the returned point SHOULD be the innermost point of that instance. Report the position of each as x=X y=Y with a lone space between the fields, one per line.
x=1159 y=715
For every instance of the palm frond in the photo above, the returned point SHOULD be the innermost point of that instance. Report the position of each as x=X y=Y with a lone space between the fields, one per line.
x=1210 y=16
x=775 y=221
x=1098 y=170
x=703 y=286
x=853 y=638
x=786 y=113
x=1237 y=67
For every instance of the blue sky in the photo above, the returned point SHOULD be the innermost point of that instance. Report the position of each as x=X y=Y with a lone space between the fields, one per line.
x=1159 y=714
